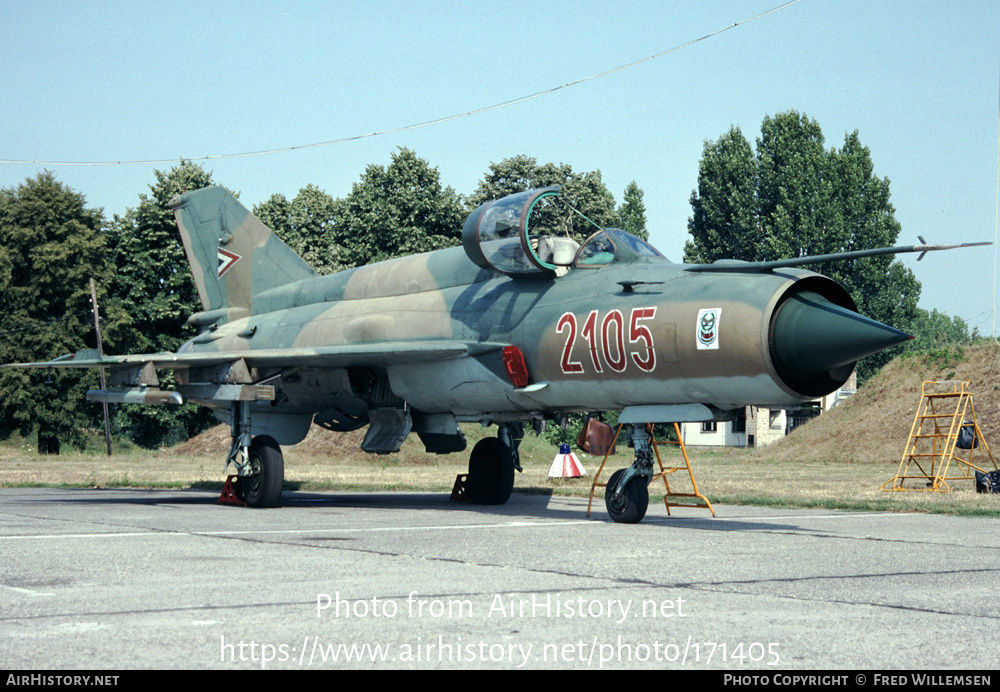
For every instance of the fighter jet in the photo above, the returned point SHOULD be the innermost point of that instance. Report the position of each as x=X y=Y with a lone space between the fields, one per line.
x=519 y=325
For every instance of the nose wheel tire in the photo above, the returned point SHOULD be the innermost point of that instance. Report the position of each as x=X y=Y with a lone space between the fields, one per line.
x=491 y=472
x=630 y=506
x=262 y=487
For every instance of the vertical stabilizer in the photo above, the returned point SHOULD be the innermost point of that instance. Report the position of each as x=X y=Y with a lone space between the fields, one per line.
x=233 y=255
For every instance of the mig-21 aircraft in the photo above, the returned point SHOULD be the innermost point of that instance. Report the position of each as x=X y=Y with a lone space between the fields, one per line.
x=518 y=325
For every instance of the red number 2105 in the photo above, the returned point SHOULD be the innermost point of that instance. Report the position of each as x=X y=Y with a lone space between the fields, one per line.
x=606 y=341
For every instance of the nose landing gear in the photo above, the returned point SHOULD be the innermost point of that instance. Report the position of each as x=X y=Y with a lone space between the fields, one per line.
x=626 y=494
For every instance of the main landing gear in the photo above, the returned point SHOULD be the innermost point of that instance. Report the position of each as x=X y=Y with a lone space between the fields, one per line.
x=266 y=473
x=492 y=464
x=258 y=461
x=261 y=467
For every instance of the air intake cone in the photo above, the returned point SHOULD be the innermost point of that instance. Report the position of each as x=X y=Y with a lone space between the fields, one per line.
x=815 y=344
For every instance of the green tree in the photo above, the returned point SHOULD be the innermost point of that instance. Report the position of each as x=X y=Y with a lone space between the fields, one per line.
x=51 y=247
x=397 y=210
x=793 y=197
x=795 y=188
x=724 y=222
x=586 y=192
x=153 y=287
x=307 y=225
x=632 y=212
x=935 y=329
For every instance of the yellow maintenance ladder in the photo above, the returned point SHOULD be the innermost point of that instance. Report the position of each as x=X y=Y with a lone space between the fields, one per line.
x=945 y=408
x=665 y=471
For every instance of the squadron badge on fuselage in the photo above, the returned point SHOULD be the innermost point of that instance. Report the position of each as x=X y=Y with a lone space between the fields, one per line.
x=708 y=328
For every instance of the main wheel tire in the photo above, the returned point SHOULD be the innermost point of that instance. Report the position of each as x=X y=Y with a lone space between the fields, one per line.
x=262 y=488
x=630 y=506
x=491 y=472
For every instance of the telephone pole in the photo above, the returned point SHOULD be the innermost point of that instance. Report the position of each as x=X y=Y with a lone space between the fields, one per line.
x=100 y=352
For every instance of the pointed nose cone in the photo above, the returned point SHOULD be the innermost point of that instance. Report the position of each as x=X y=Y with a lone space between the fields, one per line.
x=814 y=343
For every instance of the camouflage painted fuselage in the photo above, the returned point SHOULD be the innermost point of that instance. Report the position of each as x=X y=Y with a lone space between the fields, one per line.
x=512 y=326
x=596 y=346
x=637 y=331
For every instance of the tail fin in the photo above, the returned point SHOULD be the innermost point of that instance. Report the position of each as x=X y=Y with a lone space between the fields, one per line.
x=233 y=255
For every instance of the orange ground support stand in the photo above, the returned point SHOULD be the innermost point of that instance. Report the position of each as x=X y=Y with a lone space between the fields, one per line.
x=664 y=473
x=945 y=408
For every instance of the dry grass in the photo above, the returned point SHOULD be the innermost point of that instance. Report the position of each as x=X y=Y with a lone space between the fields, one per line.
x=324 y=460
x=873 y=427
x=836 y=461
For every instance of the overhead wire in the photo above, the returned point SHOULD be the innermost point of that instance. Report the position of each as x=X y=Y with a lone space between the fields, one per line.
x=39 y=325
x=405 y=128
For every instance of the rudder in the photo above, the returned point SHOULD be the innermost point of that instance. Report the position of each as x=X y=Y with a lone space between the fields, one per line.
x=233 y=255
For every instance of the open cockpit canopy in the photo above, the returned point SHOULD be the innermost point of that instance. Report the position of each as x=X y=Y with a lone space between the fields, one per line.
x=529 y=234
x=607 y=244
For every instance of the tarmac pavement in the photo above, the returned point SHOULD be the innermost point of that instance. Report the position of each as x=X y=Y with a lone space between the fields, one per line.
x=111 y=579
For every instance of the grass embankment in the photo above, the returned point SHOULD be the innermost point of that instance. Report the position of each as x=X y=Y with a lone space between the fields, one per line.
x=837 y=461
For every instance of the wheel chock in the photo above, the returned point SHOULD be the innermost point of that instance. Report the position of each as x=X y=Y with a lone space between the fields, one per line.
x=460 y=493
x=232 y=493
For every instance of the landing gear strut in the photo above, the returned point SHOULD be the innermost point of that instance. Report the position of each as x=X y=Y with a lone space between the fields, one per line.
x=258 y=461
x=626 y=494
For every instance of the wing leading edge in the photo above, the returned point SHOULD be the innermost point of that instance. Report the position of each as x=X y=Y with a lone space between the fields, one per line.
x=376 y=354
x=133 y=378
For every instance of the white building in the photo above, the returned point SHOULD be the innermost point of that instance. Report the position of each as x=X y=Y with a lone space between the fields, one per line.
x=758 y=427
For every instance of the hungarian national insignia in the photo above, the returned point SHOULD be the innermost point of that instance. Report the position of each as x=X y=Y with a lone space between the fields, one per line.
x=226 y=260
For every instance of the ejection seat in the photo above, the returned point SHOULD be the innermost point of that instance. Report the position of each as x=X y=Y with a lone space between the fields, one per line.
x=557 y=250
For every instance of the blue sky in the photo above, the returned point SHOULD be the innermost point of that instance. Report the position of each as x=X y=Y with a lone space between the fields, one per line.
x=121 y=81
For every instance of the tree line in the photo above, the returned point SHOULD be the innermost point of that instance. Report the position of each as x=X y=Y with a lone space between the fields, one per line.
x=51 y=243
x=790 y=196
x=787 y=197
